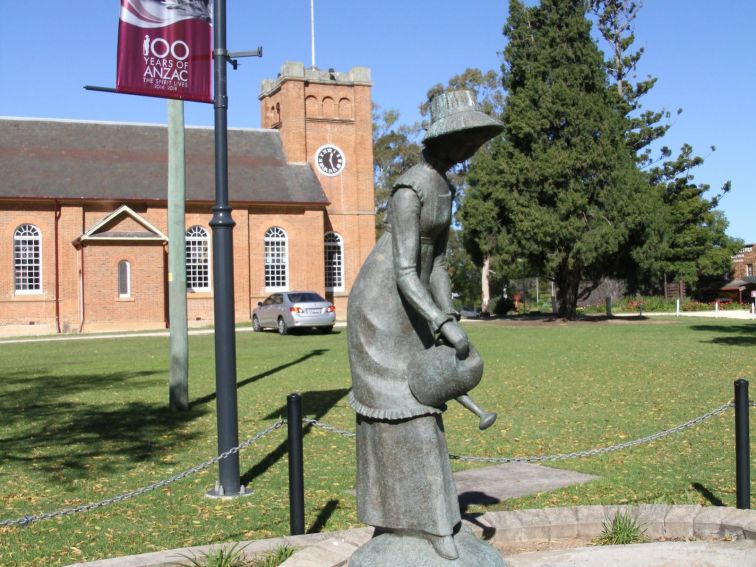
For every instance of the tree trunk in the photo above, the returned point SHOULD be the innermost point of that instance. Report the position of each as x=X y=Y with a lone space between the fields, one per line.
x=485 y=290
x=568 y=286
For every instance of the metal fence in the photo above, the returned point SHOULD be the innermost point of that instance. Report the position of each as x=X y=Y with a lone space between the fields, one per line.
x=29 y=519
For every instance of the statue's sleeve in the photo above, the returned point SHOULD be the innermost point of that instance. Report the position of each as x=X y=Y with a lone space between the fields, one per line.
x=405 y=230
x=439 y=280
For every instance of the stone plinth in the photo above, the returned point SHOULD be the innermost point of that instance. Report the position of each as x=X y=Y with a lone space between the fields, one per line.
x=392 y=550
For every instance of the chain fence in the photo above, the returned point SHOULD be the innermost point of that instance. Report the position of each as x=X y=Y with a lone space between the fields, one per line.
x=329 y=428
x=599 y=450
x=26 y=520
x=29 y=519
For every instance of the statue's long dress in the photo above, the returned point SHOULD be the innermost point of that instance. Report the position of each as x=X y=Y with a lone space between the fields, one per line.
x=399 y=300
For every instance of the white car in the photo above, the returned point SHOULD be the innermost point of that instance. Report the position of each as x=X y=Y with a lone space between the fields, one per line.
x=294 y=310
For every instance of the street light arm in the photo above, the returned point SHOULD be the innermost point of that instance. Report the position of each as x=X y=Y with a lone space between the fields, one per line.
x=231 y=57
x=256 y=53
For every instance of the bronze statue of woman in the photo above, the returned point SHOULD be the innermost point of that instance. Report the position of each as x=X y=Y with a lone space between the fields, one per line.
x=407 y=352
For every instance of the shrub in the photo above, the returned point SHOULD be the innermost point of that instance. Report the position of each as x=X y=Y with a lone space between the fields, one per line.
x=622 y=530
x=274 y=558
x=657 y=304
x=693 y=305
x=222 y=556
x=596 y=308
x=502 y=306
x=233 y=556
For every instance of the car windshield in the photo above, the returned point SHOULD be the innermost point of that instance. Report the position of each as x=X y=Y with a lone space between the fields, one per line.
x=305 y=297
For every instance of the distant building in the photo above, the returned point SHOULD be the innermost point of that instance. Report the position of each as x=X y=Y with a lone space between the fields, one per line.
x=83 y=219
x=743 y=262
x=744 y=281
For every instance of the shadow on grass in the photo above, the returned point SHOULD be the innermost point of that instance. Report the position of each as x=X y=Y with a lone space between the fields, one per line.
x=469 y=498
x=44 y=425
x=210 y=397
x=604 y=318
x=314 y=404
x=474 y=497
x=706 y=493
x=732 y=335
x=303 y=331
x=323 y=516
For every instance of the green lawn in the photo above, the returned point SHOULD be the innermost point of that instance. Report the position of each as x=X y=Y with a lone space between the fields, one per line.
x=85 y=420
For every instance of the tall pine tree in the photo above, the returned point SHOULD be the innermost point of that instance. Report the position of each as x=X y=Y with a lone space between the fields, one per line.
x=565 y=186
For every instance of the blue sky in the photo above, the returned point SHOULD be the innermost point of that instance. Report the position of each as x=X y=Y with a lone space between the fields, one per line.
x=703 y=53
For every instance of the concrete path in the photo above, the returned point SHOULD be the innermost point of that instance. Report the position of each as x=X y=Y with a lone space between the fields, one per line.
x=724 y=537
x=668 y=554
x=15 y=339
x=490 y=485
x=723 y=314
x=24 y=334
x=728 y=538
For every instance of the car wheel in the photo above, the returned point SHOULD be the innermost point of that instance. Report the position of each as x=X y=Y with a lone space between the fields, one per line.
x=282 y=328
x=326 y=330
x=256 y=326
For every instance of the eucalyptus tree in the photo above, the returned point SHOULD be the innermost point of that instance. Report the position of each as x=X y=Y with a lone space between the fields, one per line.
x=396 y=148
x=683 y=236
x=476 y=218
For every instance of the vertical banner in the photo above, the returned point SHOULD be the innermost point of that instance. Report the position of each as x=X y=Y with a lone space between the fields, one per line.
x=165 y=49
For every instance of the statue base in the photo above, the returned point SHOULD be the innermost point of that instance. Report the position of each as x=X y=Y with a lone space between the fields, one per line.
x=404 y=550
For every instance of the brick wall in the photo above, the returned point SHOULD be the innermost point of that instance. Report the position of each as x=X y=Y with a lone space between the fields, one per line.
x=337 y=110
x=743 y=262
x=309 y=114
x=145 y=305
x=29 y=308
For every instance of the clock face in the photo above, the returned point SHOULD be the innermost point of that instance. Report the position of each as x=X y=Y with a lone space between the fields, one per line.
x=330 y=160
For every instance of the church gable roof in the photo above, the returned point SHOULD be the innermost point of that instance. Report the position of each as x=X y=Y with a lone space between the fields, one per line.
x=125 y=162
x=122 y=224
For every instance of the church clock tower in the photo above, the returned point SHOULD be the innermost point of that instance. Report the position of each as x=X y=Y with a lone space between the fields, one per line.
x=325 y=119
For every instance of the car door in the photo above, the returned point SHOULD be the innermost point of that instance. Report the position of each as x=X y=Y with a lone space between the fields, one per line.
x=276 y=309
x=264 y=312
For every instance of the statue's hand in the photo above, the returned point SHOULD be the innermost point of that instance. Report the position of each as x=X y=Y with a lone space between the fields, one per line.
x=456 y=337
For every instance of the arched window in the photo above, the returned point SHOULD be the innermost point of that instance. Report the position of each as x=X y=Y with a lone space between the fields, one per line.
x=329 y=107
x=124 y=279
x=27 y=259
x=334 y=262
x=312 y=107
x=345 y=108
x=197 y=259
x=276 y=259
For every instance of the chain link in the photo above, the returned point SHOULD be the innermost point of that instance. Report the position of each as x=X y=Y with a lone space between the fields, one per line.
x=563 y=456
x=329 y=428
x=600 y=450
x=26 y=520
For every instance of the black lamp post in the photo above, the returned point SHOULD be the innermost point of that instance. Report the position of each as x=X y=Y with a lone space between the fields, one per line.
x=229 y=484
x=223 y=270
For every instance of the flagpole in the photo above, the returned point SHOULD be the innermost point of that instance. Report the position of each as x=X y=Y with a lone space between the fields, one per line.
x=312 y=30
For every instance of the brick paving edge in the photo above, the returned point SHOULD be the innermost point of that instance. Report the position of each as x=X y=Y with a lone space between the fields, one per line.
x=331 y=549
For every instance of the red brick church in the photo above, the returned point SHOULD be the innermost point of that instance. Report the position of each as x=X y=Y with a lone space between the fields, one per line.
x=83 y=218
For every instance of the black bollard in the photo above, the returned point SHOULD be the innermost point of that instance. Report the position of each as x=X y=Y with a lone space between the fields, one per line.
x=296 y=464
x=742 y=446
